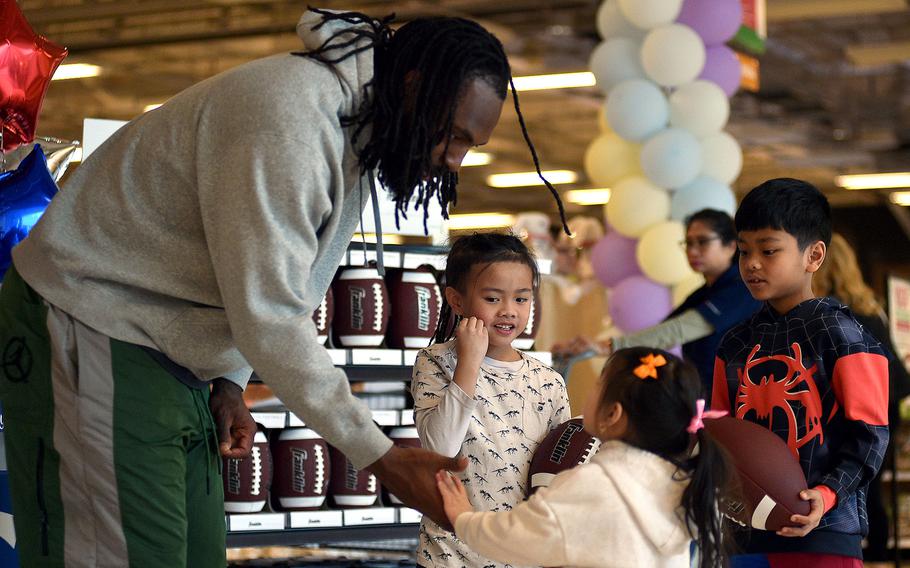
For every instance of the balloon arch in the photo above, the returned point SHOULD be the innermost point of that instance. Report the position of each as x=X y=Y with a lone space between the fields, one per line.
x=662 y=149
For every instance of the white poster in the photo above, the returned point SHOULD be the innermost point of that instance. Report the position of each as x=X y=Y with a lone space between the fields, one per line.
x=95 y=131
x=899 y=315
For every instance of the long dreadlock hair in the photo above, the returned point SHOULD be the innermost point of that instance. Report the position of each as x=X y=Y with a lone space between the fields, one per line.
x=437 y=57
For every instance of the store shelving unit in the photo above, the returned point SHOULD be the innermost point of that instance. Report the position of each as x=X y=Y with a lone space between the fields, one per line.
x=360 y=365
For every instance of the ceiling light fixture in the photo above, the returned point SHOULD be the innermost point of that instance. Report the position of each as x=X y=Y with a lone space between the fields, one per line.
x=555 y=81
x=473 y=158
x=588 y=196
x=480 y=221
x=76 y=71
x=874 y=181
x=151 y=107
x=526 y=179
x=900 y=198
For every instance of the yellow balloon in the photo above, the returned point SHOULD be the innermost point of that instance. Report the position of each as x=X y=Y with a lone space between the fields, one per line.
x=660 y=255
x=609 y=159
x=636 y=205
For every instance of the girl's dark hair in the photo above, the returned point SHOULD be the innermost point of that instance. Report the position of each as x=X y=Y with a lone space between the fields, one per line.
x=659 y=412
x=438 y=57
x=470 y=250
x=718 y=221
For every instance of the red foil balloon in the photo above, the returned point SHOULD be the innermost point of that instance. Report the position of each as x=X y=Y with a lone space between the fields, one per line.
x=27 y=63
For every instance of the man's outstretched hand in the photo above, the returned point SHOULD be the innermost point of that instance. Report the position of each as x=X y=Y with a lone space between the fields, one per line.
x=410 y=474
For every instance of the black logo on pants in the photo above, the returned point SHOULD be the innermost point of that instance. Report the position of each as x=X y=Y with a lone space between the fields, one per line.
x=17 y=360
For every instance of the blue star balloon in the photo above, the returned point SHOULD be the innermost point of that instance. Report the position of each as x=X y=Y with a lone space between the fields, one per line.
x=24 y=195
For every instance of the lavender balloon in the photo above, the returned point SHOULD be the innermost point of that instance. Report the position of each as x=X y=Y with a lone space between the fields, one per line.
x=715 y=21
x=638 y=302
x=722 y=67
x=613 y=259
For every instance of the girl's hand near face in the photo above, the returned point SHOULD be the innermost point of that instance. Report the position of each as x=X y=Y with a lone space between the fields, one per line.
x=471 y=344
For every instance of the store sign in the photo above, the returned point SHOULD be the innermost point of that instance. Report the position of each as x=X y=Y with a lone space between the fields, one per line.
x=755 y=16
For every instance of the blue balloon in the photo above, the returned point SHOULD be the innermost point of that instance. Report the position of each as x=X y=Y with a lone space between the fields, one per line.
x=24 y=195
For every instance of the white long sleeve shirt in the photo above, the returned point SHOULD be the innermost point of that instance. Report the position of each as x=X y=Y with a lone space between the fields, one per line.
x=515 y=404
x=621 y=510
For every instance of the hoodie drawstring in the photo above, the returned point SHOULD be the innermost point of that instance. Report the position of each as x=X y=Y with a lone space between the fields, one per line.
x=377 y=222
x=209 y=430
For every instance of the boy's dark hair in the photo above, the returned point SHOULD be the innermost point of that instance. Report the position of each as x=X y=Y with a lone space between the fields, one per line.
x=786 y=204
x=440 y=55
x=659 y=411
x=718 y=221
x=479 y=248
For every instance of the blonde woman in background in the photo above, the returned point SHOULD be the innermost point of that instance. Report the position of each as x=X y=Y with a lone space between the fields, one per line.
x=840 y=277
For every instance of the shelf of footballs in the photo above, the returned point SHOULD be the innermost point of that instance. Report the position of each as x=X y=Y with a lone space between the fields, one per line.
x=282 y=495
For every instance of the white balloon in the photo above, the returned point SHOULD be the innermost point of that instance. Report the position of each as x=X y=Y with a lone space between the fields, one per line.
x=637 y=109
x=701 y=107
x=660 y=255
x=671 y=158
x=703 y=193
x=609 y=158
x=673 y=55
x=616 y=60
x=611 y=23
x=636 y=205
x=647 y=14
x=686 y=287
x=722 y=158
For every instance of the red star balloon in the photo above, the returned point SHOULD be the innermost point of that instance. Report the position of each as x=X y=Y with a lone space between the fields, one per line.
x=27 y=63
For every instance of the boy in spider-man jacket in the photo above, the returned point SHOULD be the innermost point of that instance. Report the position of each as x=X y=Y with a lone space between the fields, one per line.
x=804 y=368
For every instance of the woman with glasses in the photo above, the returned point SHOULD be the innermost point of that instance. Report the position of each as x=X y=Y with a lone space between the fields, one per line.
x=705 y=316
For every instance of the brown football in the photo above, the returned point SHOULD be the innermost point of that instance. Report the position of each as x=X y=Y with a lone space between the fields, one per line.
x=770 y=478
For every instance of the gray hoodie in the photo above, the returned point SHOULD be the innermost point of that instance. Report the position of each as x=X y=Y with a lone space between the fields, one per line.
x=210 y=229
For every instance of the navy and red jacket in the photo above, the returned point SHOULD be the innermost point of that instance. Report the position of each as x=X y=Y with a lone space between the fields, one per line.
x=818 y=380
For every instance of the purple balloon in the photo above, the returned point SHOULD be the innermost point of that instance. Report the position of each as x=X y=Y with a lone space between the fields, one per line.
x=613 y=259
x=715 y=21
x=639 y=302
x=722 y=67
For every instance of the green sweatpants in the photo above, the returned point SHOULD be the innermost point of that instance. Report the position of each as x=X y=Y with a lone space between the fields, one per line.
x=112 y=461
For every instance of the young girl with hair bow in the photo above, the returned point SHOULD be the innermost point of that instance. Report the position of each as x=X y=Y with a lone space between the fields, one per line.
x=640 y=501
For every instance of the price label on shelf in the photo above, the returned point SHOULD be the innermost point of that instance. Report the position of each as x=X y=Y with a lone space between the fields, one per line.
x=270 y=419
x=339 y=356
x=313 y=519
x=256 y=522
x=376 y=357
x=410 y=357
x=358 y=257
x=375 y=516
x=408 y=515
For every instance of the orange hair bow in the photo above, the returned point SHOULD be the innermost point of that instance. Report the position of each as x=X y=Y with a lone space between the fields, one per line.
x=648 y=368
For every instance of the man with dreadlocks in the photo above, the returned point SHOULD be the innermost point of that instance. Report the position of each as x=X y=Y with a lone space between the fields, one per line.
x=191 y=248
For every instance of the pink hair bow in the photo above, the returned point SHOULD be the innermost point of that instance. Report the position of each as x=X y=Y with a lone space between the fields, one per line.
x=697 y=424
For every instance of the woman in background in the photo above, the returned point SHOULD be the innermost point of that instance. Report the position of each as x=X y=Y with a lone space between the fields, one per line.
x=841 y=278
x=705 y=316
